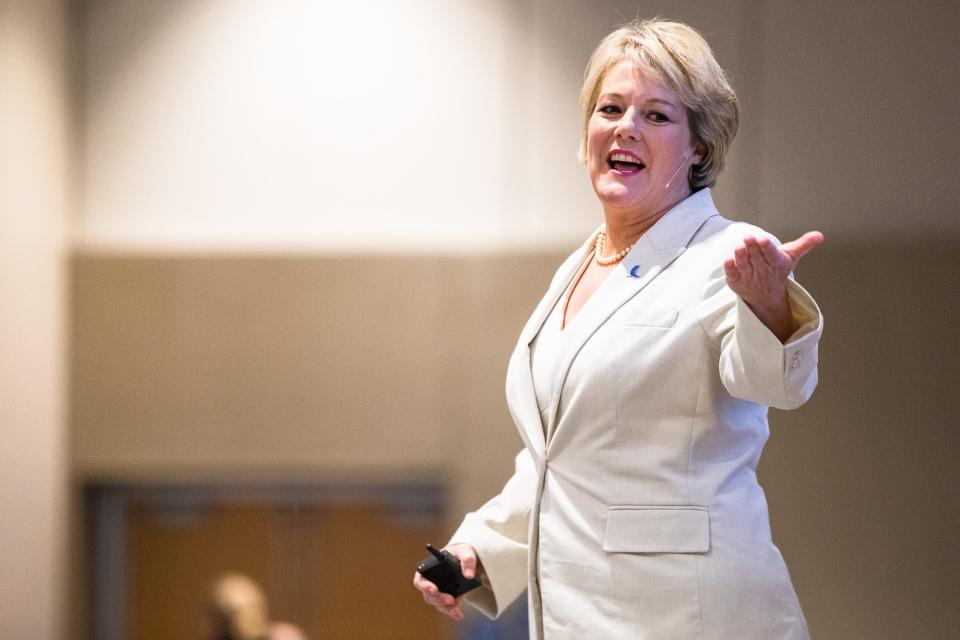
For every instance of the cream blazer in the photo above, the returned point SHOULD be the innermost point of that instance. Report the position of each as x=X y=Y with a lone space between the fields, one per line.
x=634 y=511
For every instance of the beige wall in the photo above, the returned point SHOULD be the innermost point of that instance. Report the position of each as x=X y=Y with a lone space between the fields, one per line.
x=375 y=368
x=216 y=125
x=369 y=366
x=302 y=124
x=33 y=179
x=858 y=117
x=307 y=126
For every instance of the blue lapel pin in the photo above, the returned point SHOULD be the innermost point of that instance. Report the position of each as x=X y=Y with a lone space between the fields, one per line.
x=633 y=271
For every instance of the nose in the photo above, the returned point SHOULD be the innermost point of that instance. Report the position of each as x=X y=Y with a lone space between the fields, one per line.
x=629 y=125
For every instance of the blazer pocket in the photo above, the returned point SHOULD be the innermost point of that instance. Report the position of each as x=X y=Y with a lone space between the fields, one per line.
x=664 y=318
x=657 y=529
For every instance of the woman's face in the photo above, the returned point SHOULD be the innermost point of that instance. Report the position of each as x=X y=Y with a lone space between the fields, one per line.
x=638 y=142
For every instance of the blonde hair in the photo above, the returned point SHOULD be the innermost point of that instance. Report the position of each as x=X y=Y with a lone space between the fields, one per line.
x=240 y=607
x=677 y=56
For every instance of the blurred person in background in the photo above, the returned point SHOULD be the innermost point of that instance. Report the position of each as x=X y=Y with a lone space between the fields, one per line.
x=641 y=383
x=239 y=611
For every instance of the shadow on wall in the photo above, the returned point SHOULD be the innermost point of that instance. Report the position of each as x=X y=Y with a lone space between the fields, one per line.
x=862 y=480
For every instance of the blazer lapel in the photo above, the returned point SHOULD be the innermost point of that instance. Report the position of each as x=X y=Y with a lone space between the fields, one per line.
x=520 y=392
x=565 y=274
x=656 y=250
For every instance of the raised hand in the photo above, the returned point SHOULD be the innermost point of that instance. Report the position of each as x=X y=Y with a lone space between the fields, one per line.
x=444 y=602
x=758 y=273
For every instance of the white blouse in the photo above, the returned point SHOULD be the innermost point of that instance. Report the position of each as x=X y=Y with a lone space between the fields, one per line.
x=546 y=347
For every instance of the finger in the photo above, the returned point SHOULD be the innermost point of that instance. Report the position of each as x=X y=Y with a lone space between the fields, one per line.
x=742 y=259
x=802 y=245
x=774 y=255
x=439 y=600
x=771 y=253
x=730 y=270
x=434 y=596
x=423 y=584
x=444 y=600
x=454 y=611
x=755 y=253
x=431 y=594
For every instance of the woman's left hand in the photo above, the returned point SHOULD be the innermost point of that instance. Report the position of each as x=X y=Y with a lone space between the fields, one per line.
x=758 y=273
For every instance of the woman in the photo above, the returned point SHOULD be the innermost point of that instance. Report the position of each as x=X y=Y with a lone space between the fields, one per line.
x=641 y=383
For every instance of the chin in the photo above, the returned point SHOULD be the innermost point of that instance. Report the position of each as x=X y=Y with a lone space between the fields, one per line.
x=617 y=195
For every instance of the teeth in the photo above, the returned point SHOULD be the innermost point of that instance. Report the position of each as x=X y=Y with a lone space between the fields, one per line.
x=622 y=157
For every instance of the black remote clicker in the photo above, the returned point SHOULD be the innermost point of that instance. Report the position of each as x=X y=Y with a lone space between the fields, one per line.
x=442 y=568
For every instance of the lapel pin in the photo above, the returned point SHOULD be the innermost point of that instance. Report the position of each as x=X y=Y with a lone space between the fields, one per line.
x=633 y=271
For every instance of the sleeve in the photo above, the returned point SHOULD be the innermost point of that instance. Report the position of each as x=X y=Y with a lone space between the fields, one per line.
x=498 y=531
x=754 y=364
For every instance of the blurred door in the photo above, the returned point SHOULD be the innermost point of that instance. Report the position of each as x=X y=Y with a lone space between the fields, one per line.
x=339 y=571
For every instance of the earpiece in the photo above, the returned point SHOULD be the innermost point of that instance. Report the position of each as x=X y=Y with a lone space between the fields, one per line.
x=682 y=162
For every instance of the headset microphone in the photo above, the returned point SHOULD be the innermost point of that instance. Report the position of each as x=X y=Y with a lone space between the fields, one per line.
x=682 y=162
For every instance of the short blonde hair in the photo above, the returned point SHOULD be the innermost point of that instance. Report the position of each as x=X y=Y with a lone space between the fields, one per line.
x=678 y=56
x=239 y=607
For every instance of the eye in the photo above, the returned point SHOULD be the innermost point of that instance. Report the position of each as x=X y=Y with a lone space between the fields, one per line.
x=609 y=109
x=657 y=116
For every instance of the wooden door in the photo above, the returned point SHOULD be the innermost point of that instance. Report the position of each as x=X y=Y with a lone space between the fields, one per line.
x=339 y=571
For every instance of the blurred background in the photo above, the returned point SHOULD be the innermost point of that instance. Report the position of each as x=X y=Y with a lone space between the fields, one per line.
x=262 y=265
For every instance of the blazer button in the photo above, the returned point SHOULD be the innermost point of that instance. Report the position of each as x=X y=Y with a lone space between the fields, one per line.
x=797 y=360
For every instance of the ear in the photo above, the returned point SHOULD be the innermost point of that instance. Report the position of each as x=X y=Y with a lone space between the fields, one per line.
x=698 y=154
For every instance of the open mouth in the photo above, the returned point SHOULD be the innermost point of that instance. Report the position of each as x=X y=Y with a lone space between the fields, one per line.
x=625 y=163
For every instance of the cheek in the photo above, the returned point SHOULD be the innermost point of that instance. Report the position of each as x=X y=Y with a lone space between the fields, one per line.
x=596 y=132
x=596 y=149
x=596 y=164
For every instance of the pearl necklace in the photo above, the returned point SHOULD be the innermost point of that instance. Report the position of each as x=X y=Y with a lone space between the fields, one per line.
x=615 y=258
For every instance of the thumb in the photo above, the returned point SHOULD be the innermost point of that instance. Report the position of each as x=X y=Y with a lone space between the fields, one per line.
x=468 y=566
x=802 y=245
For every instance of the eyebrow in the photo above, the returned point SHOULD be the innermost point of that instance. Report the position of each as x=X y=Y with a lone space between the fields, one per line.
x=614 y=94
x=662 y=101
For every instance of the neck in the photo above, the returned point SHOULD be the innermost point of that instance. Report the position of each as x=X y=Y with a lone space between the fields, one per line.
x=623 y=228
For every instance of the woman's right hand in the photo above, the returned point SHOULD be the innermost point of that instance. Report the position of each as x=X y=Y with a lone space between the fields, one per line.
x=444 y=602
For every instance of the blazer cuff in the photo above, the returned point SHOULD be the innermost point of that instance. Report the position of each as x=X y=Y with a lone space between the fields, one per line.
x=806 y=313
x=761 y=368
x=504 y=561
